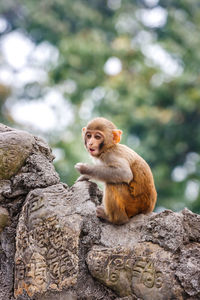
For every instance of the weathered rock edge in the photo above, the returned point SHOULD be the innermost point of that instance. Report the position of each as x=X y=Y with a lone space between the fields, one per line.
x=52 y=246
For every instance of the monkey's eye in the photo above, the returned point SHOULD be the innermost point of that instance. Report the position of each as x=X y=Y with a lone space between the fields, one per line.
x=97 y=137
x=88 y=135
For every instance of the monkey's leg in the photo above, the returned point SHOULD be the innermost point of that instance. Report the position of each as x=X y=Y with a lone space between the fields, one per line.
x=140 y=201
x=114 y=203
x=100 y=212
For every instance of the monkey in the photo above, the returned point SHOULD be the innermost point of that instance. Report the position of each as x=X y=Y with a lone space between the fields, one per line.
x=129 y=185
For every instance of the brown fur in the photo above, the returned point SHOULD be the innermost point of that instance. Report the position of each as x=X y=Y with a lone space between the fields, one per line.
x=129 y=185
x=126 y=200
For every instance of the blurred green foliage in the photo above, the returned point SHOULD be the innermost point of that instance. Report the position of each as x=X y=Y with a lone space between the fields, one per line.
x=154 y=99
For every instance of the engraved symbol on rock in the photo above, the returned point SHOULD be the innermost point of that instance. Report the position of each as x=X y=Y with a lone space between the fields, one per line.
x=56 y=239
x=114 y=276
x=145 y=271
x=53 y=197
x=158 y=281
x=20 y=269
x=23 y=241
x=71 y=244
x=117 y=262
x=37 y=203
x=148 y=275
x=98 y=264
x=128 y=264
x=61 y=255
x=55 y=269
x=36 y=270
x=52 y=253
x=114 y=266
x=55 y=260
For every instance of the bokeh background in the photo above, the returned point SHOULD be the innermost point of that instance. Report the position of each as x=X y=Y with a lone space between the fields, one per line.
x=137 y=63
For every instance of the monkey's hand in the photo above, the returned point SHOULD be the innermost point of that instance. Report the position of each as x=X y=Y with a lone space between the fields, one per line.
x=83 y=178
x=83 y=168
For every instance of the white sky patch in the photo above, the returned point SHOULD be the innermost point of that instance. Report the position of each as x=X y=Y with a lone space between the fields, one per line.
x=159 y=209
x=191 y=162
x=58 y=153
x=142 y=38
x=68 y=86
x=91 y=97
x=6 y=75
x=113 y=66
x=53 y=112
x=114 y=4
x=192 y=190
x=161 y=58
x=29 y=75
x=151 y=3
x=98 y=93
x=44 y=54
x=3 y=24
x=16 y=48
x=179 y=174
x=24 y=61
x=22 y=77
x=155 y=17
x=35 y=114
x=86 y=109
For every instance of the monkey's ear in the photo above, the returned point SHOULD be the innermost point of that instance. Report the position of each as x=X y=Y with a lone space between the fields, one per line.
x=116 y=135
x=83 y=131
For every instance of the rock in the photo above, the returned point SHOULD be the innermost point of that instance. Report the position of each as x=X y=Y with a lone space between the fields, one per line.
x=53 y=247
x=191 y=224
x=15 y=146
x=46 y=243
x=187 y=271
x=143 y=270
x=25 y=163
x=4 y=218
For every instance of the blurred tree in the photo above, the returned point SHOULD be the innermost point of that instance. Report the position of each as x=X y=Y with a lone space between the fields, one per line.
x=134 y=62
x=4 y=94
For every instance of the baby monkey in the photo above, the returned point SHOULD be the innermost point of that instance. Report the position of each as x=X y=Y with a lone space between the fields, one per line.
x=129 y=184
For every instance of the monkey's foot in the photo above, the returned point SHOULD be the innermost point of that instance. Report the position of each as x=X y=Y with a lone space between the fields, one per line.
x=100 y=212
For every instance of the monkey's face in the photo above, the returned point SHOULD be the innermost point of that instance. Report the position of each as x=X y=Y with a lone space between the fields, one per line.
x=100 y=135
x=94 y=141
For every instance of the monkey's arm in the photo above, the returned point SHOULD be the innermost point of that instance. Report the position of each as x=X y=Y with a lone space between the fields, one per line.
x=117 y=173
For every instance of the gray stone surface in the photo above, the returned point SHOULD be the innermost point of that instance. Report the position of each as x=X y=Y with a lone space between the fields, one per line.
x=4 y=218
x=52 y=246
x=15 y=146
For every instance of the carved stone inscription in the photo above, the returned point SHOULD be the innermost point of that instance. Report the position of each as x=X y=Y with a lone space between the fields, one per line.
x=46 y=249
x=112 y=267
x=14 y=149
x=129 y=271
x=146 y=274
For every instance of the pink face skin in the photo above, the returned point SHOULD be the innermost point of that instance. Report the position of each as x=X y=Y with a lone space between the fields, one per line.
x=93 y=140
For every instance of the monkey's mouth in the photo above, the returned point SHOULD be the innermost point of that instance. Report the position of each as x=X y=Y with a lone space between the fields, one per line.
x=92 y=151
